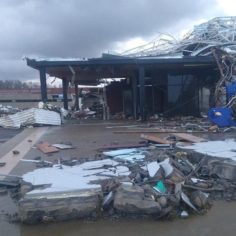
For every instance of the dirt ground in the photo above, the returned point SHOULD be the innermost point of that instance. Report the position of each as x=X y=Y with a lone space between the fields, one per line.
x=87 y=137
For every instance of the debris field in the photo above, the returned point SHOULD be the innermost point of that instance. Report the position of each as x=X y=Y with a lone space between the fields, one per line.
x=162 y=179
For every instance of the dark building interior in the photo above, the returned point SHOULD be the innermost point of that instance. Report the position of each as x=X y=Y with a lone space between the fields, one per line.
x=150 y=86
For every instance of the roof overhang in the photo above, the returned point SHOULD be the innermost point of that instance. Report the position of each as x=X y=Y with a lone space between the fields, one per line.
x=109 y=66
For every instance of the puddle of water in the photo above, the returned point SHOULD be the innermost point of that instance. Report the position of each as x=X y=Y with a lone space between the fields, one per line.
x=219 y=221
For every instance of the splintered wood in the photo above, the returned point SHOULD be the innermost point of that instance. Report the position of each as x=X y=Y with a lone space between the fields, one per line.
x=155 y=139
x=189 y=137
x=46 y=148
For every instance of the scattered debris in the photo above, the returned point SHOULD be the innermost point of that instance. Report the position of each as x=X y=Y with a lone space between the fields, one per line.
x=123 y=146
x=160 y=187
x=31 y=116
x=15 y=152
x=189 y=138
x=130 y=155
x=107 y=200
x=62 y=146
x=132 y=200
x=2 y=164
x=153 y=167
x=9 y=181
x=46 y=148
x=155 y=139
x=186 y=199
x=184 y=214
x=7 y=110
x=140 y=182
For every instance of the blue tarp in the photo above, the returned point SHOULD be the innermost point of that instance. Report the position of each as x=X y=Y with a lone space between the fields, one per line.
x=221 y=117
x=231 y=89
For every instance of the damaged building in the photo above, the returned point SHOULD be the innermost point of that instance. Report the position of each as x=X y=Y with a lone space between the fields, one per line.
x=166 y=77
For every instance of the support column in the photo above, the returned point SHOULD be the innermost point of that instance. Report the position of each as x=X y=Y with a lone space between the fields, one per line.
x=76 y=97
x=43 y=84
x=142 y=94
x=65 y=84
x=134 y=88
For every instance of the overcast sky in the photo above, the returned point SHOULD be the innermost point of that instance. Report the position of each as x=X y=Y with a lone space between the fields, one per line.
x=86 y=28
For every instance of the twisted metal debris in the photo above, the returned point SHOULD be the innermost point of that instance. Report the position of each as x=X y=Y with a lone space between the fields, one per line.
x=216 y=37
x=220 y=32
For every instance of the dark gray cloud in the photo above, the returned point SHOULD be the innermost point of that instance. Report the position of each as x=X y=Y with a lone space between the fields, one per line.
x=83 y=28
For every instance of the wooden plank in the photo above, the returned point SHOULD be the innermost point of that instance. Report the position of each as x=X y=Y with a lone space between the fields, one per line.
x=155 y=139
x=120 y=146
x=46 y=148
x=189 y=137
x=160 y=132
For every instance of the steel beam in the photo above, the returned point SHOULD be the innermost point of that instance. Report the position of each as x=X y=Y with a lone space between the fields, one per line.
x=76 y=97
x=134 y=88
x=65 y=84
x=142 y=95
x=43 y=84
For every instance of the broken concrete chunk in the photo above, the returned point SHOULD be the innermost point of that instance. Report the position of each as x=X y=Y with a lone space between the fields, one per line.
x=223 y=169
x=59 y=207
x=176 y=176
x=130 y=200
x=199 y=199
x=162 y=201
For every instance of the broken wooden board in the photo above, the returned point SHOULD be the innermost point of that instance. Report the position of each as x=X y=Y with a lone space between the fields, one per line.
x=155 y=139
x=159 y=132
x=123 y=146
x=46 y=148
x=189 y=137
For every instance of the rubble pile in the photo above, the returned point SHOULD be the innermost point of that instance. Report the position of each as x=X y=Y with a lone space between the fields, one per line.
x=7 y=110
x=146 y=182
x=33 y=116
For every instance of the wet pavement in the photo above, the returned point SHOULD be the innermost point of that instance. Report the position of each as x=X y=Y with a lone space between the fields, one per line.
x=7 y=134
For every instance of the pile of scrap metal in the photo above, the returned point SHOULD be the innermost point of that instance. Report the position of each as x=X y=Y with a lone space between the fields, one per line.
x=217 y=38
x=89 y=104
x=30 y=117
x=6 y=110
x=156 y=181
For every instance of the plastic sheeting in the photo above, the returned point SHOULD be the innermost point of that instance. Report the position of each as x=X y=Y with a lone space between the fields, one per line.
x=221 y=116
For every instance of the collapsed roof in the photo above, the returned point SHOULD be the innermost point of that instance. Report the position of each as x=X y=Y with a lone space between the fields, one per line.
x=195 y=49
x=218 y=32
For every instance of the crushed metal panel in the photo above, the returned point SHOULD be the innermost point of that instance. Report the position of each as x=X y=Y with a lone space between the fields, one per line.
x=30 y=117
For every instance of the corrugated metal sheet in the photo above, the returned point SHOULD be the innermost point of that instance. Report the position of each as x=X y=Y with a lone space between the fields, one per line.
x=31 y=117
